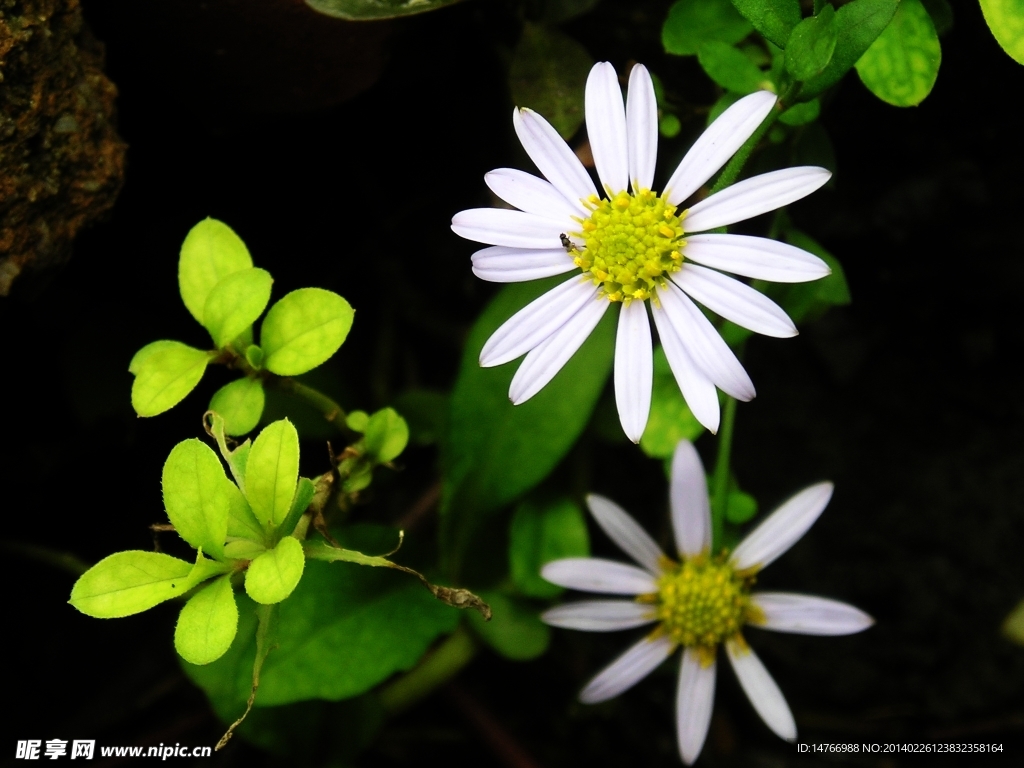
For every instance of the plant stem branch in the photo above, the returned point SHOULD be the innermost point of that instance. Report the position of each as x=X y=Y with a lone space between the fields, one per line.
x=331 y=411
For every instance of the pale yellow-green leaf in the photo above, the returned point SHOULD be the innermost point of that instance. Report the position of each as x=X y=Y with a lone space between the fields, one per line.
x=902 y=64
x=1006 y=20
x=272 y=576
x=207 y=624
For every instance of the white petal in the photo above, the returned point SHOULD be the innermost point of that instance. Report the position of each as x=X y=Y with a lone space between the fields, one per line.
x=808 y=614
x=688 y=497
x=626 y=533
x=500 y=264
x=735 y=301
x=600 y=615
x=718 y=143
x=695 y=699
x=757 y=257
x=752 y=197
x=553 y=157
x=528 y=193
x=547 y=358
x=761 y=689
x=592 y=574
x=500 y=226
x=641 y=128
x=698 y=390
x=536 y=322
x=704 y=345
x=606 y=126
x=634 y=369
x=782 y=528
x=627 y=670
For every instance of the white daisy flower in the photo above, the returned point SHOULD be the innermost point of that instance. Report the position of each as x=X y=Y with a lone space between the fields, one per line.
x=698 y=603
x=630 y=247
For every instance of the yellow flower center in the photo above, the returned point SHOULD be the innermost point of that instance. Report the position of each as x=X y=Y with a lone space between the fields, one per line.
x=632 y=242
x=702 y=602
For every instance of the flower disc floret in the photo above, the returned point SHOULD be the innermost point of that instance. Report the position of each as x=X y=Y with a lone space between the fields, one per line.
x=702 y=602
x=631 y=243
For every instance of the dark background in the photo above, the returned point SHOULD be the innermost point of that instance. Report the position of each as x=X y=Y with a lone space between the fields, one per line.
x=339 y=153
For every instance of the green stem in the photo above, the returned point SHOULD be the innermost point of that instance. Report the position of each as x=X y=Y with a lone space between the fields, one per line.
x=431 y=673
x=720 y=484
x=733 y=168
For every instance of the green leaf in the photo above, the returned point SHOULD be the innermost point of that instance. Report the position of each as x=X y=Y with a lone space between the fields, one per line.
x=236 y=459
x=254 y=356
x=515 y=631
x=345 y=629
x=775 y=19
x=370 y=10
x=242 y=523
x=243 y=549
x=272 y=576
x=357 y=421
x=494 y=451
x=802 y=113
x=207 y=624
x=901 y=65
x=303 y=330
x=126 y=583
x=692 y=22
x=540 y=534
x=548 y=75
x=1006 y=20
x=386 y=435
x=271 y=472
x=304 y=493
x=857 y=25
x=812 y=44
x=670 y=419
x=669 y=126
x=211 y=252
x=730 y=68
x=196 y=496
x=165 y=372
x=235 y=303
x=241 y=404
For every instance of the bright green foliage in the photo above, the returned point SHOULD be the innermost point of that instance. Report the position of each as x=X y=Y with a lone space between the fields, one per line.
x=812 y=44
x=369 y=10
x=304 y=493
x=344 y=629
x=775 y=19
x=540 y=533
x=235 y=303
x=730 y=68
x=692 y=22
x=207 y=624
x=516 y=631
x=243 y=549
x=196 y=496
x=386 y=435
x=900 y=67
x=857 y=25
x=670 y=419
x=548 y=75
x=254 y=356
x=165 y=372
x=211 y=252
x=303 y=330
x=241 y=404
x=802 y=113
x=271 y=472
x=494 y=451
x=273 y=575
x=126 y=583
x=1006 y=20
x=357 y=421
x=236 y=458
